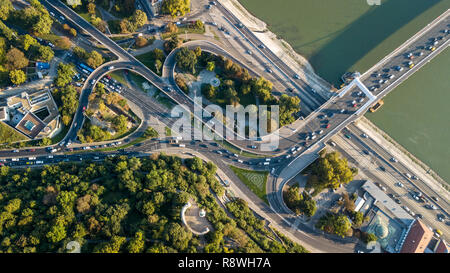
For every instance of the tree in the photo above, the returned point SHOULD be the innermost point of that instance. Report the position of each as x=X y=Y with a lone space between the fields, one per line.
x=330 y=171
x=136 y=244
x=17 y=76
x=334 y=223
x=288 y=107
x=171 y=44
x=139 y=18
x=91 y=8
x=141 y=41
x=171 y=28
x=158 y=65
x=186 y=59
x=46 y=141
x=120 y=123
x=5 y=8
x=65 y=74
x=45 y=53
x=210 y=66
x=63 y=43
x=150 y=133
x=176 y=7
x=177 y=236
x=15 y=59
x=73 y=32
x=199 y=24
x=95 y=59
x=209 y=91
x=370 y=237
x=27 y=41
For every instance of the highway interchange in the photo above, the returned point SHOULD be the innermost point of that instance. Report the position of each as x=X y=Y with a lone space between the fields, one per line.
x=335 y=113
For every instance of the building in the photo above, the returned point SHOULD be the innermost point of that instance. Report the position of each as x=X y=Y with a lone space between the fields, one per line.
x=441 y=247
x=418 y=238
x=33 y=114
x=388 y=221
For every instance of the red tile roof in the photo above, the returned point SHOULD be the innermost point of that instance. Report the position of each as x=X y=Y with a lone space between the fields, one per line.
x=418 y=238
x=441 y=247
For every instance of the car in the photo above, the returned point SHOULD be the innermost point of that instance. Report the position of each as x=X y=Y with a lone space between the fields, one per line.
x=399 y=184
x=262 y=46
x=342 y=111
x=408 y=175
x=420 y=216
x=348 y=136
x=393 y=159
x=249 y=52
x=364 y=135
x=435 y=198
x=32 y=150
x=332 y=144
x=15 y=151
x=296 y=76
x=397 y=201
x=327 y=126
x=330 y=115
x=414 y=177
x=269 y=70
x=366 y=152
x=382 y=168
x=111 y=67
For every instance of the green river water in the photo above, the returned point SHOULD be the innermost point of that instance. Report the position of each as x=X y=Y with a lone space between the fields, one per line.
x=347 y=35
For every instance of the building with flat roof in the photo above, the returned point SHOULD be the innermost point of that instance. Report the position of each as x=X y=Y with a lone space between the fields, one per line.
x=418 y=238
x=34 y=114
x=388 y=221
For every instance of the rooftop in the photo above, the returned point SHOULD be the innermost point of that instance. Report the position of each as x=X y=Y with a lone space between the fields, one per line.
x=417 y=239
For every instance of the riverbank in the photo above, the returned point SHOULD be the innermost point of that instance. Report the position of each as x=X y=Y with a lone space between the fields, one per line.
x=279 y=47
x=287 y=54
x=424 y=172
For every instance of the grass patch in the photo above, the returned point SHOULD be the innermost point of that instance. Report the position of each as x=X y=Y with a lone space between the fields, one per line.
x=118 y=76
x=183 y=30
x=163 y=100
x=9 y=135
x=255 y=181
x=148 y=59
x=168 y=131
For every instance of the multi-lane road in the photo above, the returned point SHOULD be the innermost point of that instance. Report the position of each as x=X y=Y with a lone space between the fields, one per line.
x=318 y=127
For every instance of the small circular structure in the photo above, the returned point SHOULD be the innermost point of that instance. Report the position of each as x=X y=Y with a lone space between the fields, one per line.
x=215 y=82
x=202 y=213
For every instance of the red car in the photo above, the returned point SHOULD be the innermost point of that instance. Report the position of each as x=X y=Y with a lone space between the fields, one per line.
x=32 y=150
x=84 y=108
x=354 y=105
x=328 y=126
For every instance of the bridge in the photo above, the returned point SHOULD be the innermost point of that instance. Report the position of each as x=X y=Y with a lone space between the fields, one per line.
x=423 y=46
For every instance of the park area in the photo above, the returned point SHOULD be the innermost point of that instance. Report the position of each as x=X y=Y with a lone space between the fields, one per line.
x=255 y=180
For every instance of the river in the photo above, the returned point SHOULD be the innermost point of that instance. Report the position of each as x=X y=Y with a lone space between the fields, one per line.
x=347 y=35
